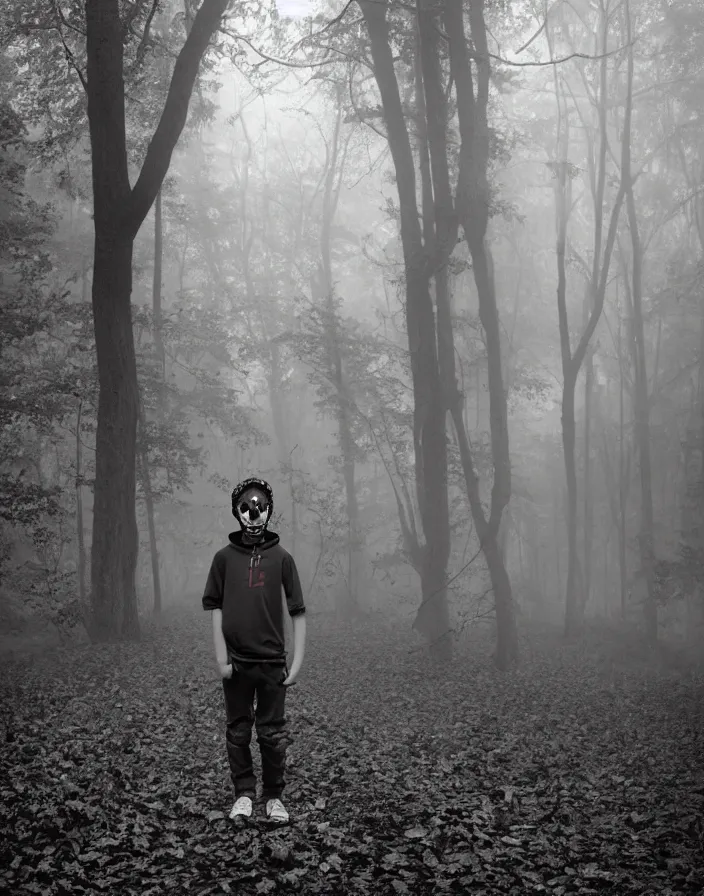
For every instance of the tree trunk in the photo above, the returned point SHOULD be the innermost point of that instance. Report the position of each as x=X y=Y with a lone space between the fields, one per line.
x=588 y=520
x=161 y=357
x=156 y=290
x=597 y=282
x=573 y=599
x=506 y=634
x=429 y=440
x=281 y=432
x=143 y=456
x=624 y=474
x=114 y=549
x=473 y=212
x=118 y=213
x=80 y=532
x=326 y=290
x=421 y=122
x=574 y=604
x=440 y=232
x=641 y=397
x=557 y=532
x=641 y=412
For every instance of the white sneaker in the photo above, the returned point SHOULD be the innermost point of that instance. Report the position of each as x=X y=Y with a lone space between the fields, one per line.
x=242 y=808
x=276 y=811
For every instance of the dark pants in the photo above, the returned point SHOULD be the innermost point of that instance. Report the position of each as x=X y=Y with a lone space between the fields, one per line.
x=265 y=680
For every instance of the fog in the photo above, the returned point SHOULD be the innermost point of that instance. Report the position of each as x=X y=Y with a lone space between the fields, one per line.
x=273 y=295
x=431 y=275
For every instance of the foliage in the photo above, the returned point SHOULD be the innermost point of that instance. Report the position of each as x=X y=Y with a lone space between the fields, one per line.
x=24 y=504
x=36 y=392
x=177 y=410
x=47 y=42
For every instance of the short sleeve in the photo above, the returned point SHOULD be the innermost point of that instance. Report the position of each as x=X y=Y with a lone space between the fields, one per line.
x=292 y=586
x=214 y=587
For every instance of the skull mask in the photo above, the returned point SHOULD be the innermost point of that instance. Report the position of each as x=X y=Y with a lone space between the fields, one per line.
x=252 y=505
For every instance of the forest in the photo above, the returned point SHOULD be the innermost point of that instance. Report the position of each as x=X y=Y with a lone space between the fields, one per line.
x=435 y=270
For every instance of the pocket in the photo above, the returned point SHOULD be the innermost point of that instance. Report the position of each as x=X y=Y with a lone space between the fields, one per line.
x=246 y=670
x=275 y=675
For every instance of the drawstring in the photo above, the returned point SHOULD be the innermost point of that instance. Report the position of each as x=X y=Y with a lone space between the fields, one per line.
x=255 y=558
x=253 y=563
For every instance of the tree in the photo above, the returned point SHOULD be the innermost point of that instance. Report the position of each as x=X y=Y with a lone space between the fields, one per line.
x=119 y=211
x=429 y=435
x=323 y=290
x=564 y=172
x=30 y=402
x=473 y=209
x=641 y=396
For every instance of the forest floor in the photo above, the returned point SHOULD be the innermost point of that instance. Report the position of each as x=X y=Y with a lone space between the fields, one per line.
x=579 y=773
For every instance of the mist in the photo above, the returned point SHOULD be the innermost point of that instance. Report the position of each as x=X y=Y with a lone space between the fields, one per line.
x=434 y=273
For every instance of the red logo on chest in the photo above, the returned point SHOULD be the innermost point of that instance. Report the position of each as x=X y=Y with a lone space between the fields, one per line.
x=256 y=578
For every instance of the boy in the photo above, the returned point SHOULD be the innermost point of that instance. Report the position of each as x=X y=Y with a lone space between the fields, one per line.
x=244 y=594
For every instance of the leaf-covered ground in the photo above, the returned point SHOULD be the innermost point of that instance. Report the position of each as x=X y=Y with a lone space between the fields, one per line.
x=570 y=776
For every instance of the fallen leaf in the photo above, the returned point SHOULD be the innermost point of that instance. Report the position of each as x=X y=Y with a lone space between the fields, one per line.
x=613 y=807
x=415 y=833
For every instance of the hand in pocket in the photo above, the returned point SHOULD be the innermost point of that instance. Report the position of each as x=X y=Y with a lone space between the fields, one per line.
x=288 y=679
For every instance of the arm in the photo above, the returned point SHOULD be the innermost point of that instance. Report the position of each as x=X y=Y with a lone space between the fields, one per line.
x=212 y=600
x=220 y=646
x=299 y=647
x=297 y=611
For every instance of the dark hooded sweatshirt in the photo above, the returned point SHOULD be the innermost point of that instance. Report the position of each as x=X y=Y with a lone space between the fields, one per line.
x=245 y=583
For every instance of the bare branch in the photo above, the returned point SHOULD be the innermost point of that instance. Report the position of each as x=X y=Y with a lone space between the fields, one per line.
x=559 y=61
x=62 y=18
x=358 y=112
x=266 y=58
x=142 y=48
x=175 y=112
x=70 y=58
x=329 y=25
x=531 y=39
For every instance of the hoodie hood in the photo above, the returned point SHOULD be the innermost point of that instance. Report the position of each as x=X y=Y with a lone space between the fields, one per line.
x=269 y=540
